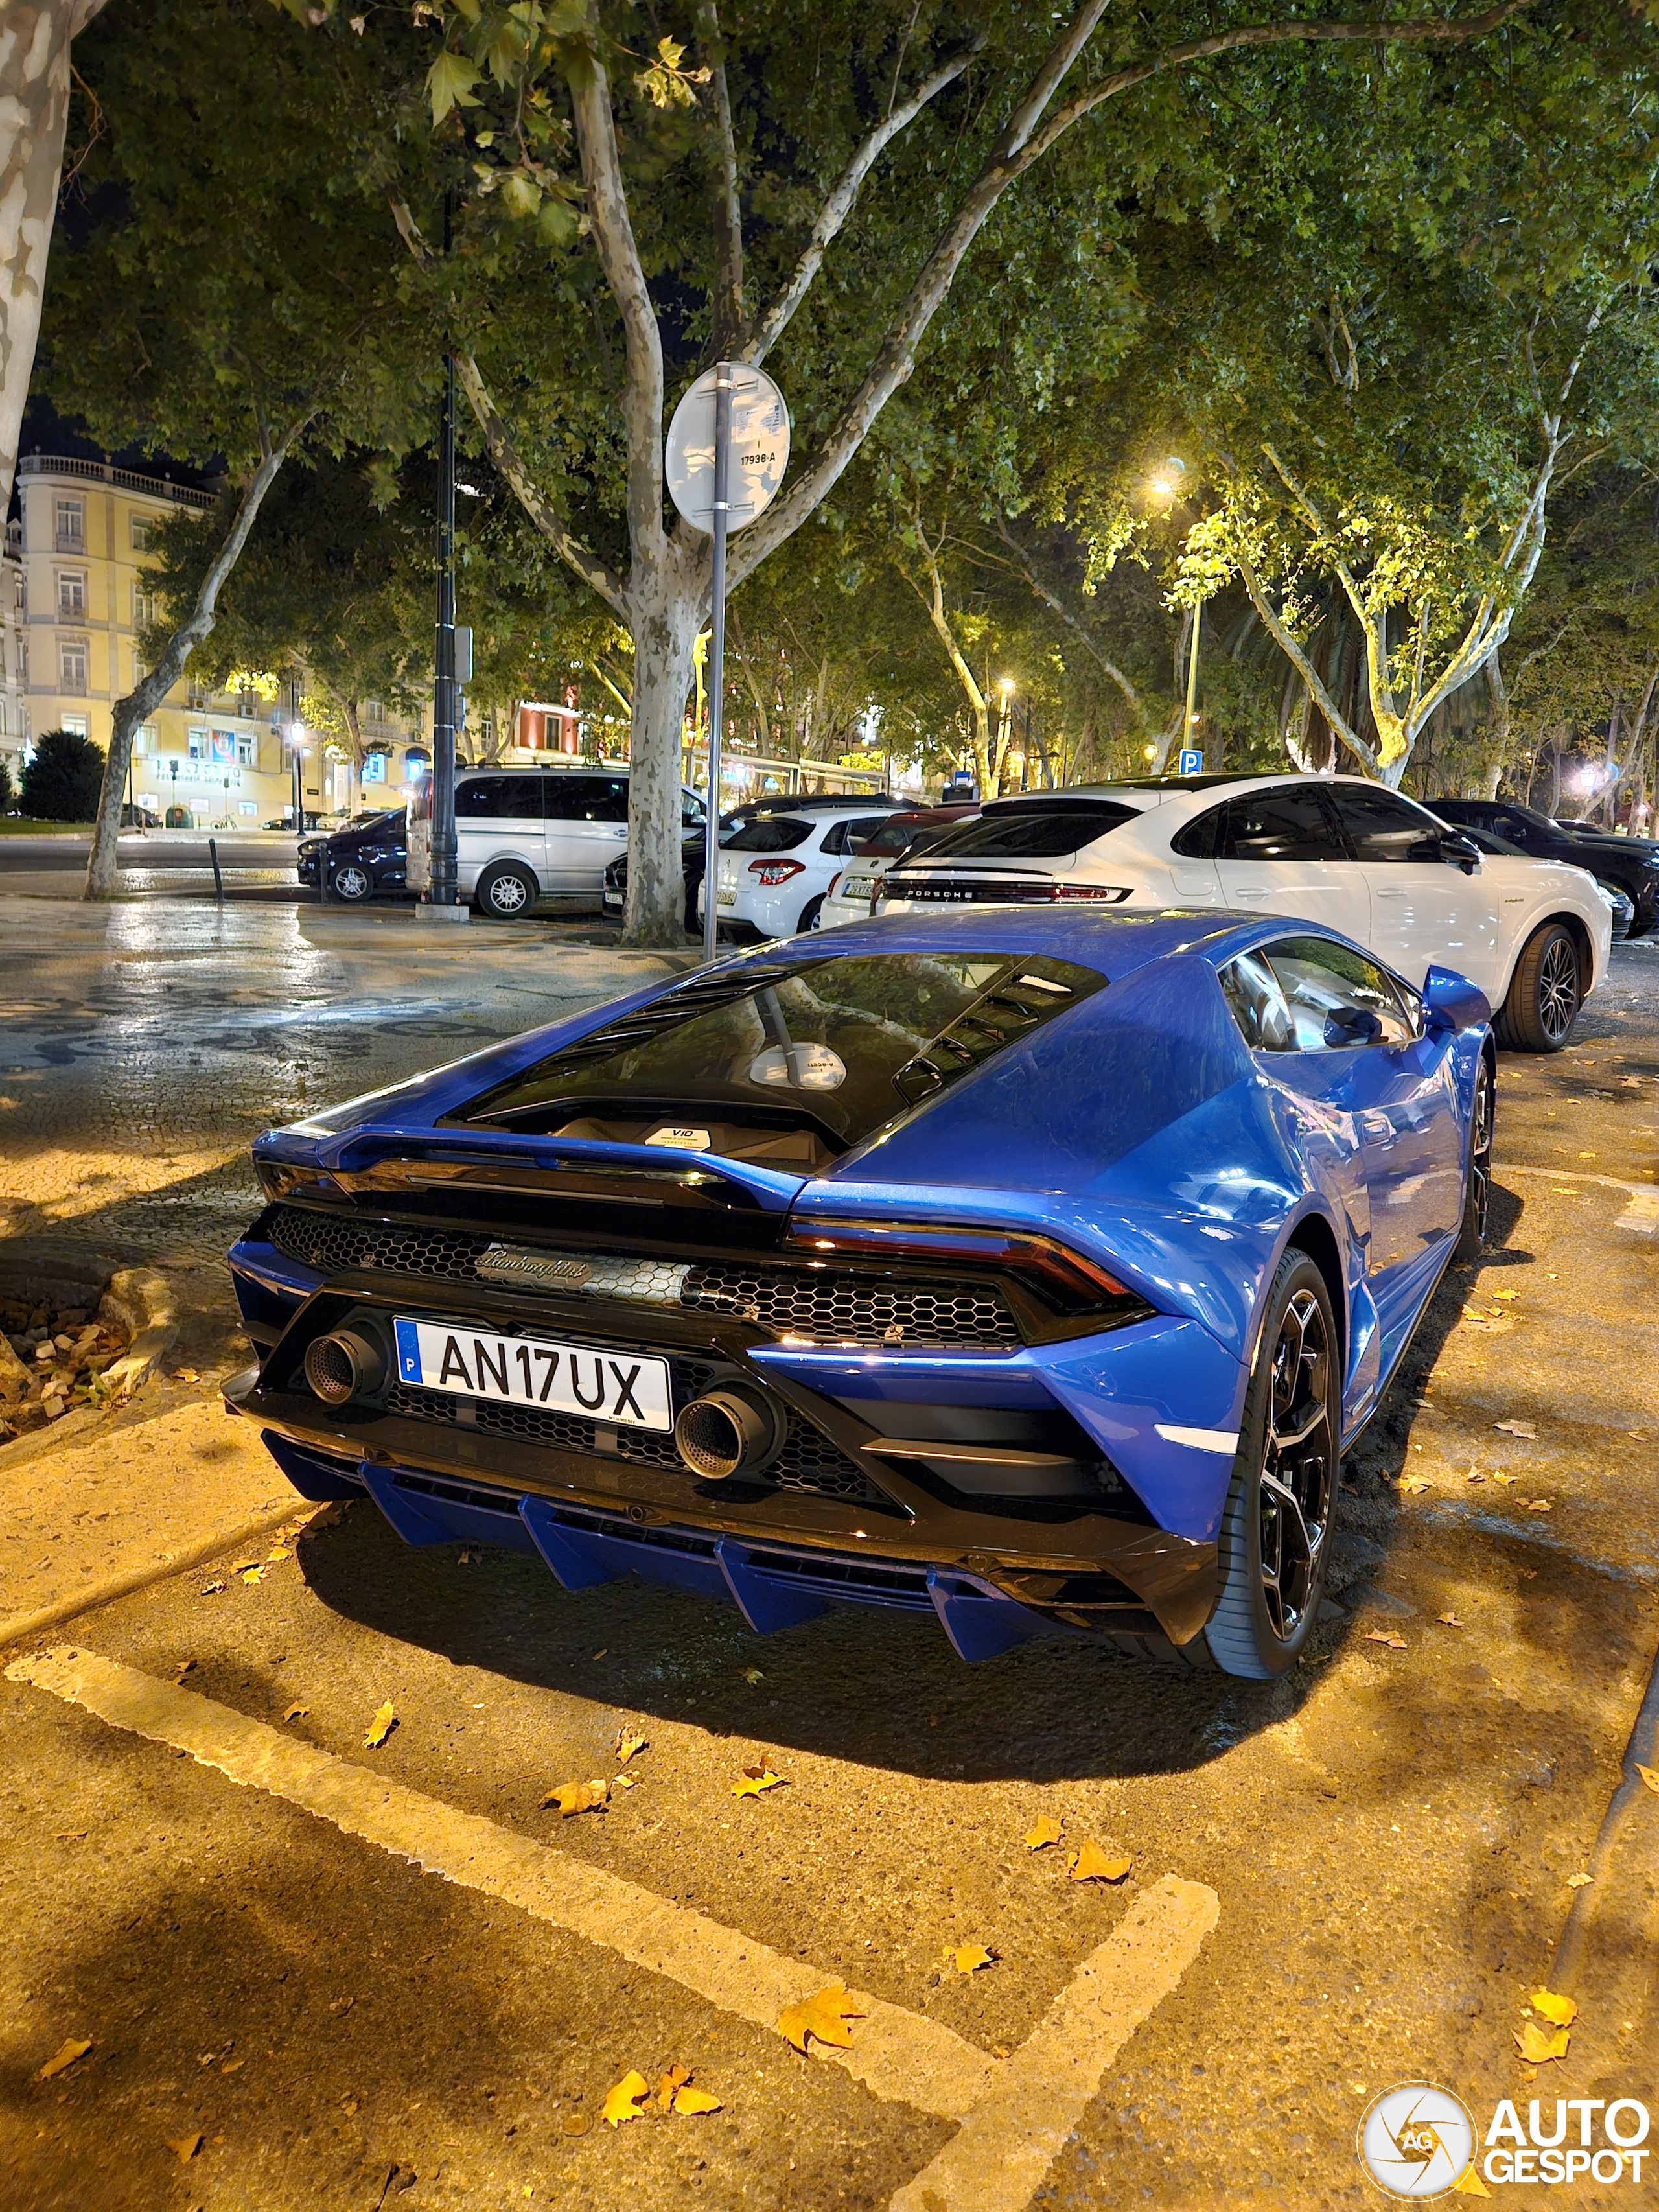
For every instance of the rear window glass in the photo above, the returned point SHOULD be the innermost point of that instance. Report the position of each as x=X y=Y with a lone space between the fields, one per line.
x=841 y=1046
x=845 y=836
x=773 y=833
x=891 y=837
x=1029 y=833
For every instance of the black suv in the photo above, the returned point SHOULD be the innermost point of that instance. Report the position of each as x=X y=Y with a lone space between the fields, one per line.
x=368 y=859
x=1622 y=864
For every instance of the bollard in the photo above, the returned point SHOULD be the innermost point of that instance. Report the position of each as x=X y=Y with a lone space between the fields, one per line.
x=218 y=880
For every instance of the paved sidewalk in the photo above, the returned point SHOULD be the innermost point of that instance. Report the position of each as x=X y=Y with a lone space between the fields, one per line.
x=90 y=1521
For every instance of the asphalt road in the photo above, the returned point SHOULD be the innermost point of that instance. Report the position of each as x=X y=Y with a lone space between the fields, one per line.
x=1349 y=1878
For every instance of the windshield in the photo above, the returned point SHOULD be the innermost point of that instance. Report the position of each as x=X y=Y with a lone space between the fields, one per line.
x=792 y=1064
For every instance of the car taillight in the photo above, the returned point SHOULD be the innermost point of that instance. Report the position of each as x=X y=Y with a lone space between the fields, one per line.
x=1065 y=1278
x=834 y=885
x=776 y=872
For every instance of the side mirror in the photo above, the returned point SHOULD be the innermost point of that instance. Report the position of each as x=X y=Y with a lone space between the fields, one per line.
x=1451 y=1002
x=1350 y=1025
x=1460 y=852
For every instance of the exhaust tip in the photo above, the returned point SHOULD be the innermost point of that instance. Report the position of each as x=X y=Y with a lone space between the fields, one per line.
x=343 y=1366
x=727 y=1432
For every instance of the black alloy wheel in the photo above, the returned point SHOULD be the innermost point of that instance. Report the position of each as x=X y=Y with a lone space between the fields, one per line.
x=1275 y=1532
x=351 y=881
x=1544 y=994
x=1477 y=1189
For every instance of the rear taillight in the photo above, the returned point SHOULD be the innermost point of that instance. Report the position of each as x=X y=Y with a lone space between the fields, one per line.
x=775 y=872
x=834 y=886
x=1065 y=1278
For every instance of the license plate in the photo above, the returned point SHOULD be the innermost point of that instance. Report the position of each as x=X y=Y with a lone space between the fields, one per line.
x=613 y=898
x=628 y=1388
x=724 y=898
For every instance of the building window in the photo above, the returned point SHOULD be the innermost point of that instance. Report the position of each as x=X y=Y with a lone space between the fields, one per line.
x=72 y=594
x=245 y=752
x=196 y=696
x=143 y=533
x=143 y=607
x=197 y=743
x=143 y=740
x=4 y=731
x=75 y=724
x=71 y=524
x=72 y=666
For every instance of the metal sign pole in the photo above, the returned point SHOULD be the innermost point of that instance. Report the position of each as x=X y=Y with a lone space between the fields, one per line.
x=711 y=885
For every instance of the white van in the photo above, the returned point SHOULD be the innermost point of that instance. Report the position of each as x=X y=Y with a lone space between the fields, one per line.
x=524 y=834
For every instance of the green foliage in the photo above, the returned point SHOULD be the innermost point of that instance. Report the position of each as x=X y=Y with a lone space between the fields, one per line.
x=7 y=792
x=61 y=783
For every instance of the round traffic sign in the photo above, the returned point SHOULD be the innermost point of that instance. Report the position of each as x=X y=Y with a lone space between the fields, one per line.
x=759 y=451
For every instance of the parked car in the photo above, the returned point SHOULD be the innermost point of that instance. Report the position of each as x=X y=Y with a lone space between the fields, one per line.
x=852 y=894
x=1621 y=863
x=370 y=859
x=1618 y=902
x=775 y=870
x=1339 y=850
x=139 y=818
x=1023 y=1271
x=312 y=821
x=523 y=834
x=693 y=849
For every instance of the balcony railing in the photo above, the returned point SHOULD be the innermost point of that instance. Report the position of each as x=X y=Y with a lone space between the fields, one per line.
x=50 y=464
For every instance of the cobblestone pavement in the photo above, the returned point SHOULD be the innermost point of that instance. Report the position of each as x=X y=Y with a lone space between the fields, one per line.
x=281 y=2012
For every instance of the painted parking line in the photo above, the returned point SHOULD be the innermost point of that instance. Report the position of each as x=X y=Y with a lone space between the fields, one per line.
x=997 y=2159
x=898 y=2055
x=1016 y=2113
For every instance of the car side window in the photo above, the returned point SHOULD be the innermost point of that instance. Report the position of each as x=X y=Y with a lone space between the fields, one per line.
x=499 y=799
x=1291 y=822
x=1252 y=990
x=1382 y=826
x=842 y=836
x=586 y=798
x=1199 y=839
x=1319 y=979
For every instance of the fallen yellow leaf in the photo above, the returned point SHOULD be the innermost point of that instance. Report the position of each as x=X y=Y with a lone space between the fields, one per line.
x=380 y=1726
x=628 y=1746
x=1449 y=1620
x=822 y=2018
x=753 y=1675
x=1506 y=1294
x=623 y=1781
x=63 y=2058
x=1508 y=1482
x=1540 y=1505
x=185 y=2148
x=579 y=1796
x=673 y=2081
x=1580 y=1880
x=69 y=1835
x=296 y=1713
x=755 y=1780
x=1092 y=1864
x=1412 y=1484
x=623 y=2103
x=1043 y=1832
x=1651 y=1776
x=1536 y=2047
x=1563 y=2011
x=253 y=1574
x=185 y=1375
x=1518 y=1429
x=1469 y=2184
x=185 y=1667
x=969 y=1957
x=689 y=2101
x=1385 y=1636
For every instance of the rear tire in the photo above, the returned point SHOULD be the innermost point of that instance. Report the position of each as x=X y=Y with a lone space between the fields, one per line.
x=808 y=916
x=506 y=893
x=1472 y=1234
x=1276 y=1527
x=1544 y=994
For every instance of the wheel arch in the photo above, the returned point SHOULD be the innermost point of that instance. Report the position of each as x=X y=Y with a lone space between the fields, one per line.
x=1577 y=927
x=1314 y=1235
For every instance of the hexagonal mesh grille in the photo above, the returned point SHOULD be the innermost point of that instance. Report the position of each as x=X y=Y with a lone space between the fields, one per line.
x=824 y=1308
x=854 y=1310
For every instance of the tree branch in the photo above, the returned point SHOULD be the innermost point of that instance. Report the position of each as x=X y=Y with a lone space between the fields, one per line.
x=619 y=258
x=841 y=200
x=504 y=452
x=1304 y=668
x=1022 y=144
x=1073 y=621
x=729 y=314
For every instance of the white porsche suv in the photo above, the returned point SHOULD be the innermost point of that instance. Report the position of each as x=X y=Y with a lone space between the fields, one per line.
x=1368 y=861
